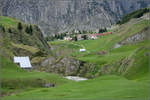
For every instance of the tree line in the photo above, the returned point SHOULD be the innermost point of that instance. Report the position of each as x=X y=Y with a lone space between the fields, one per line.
x=136 y=14
x=28 y=28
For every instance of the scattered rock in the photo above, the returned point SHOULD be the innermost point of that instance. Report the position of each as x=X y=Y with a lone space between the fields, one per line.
x=48 y=85
x=146 y=54
x=102 y=53
x=137 y=37
x=117 y=45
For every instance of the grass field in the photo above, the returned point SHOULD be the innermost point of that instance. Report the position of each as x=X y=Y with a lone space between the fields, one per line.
x=110 y=87
x=8 y=21
x=132 y=83
x=15 y=79
x=26 y=47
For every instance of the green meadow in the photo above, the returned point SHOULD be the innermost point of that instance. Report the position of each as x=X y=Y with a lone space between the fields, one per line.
x=8 y=21
x=132 y=83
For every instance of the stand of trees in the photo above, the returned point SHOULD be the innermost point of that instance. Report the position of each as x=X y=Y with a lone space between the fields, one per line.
x=9 y=30
x=29 y=29
x=102 y=30
x=56 y=36
x=75 y=38
x=20 y=26
x=2 y=28
x=85 y=37
x=20 y=29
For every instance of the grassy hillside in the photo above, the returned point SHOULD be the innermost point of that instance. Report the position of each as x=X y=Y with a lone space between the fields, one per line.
x=15 y=42
x=14 y=39
x=22 y=42
x=15 y=80
x=120 y=73
x=8 y=21
x=110 y=87
x=102 y=53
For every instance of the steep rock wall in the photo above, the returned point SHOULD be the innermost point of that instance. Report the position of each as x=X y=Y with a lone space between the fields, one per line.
x=54 y=16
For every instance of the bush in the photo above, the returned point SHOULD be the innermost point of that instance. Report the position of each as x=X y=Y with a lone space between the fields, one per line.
x=29 y=29
x=102 y=30
x=9 y=30
x=3 y=29
x=75 y=38
x=20 y=26
x=84 y=37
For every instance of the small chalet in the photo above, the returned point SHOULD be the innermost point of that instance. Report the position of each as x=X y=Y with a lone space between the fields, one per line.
x=67 y=38
x=79 y=37
x=76 y=31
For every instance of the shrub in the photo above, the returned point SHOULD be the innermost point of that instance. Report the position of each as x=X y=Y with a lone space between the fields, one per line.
x=9 y=30
x=3 y=29
x=84 y=37
x=75 y=38
x=20 y=26
x=102 y=30
x=29 y=30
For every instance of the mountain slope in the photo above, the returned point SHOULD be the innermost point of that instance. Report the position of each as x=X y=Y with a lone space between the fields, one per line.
x=19 y=42
x=105 y=58
x=15 y=42
x=120 y=72
x=16 y=80
x=61 y=16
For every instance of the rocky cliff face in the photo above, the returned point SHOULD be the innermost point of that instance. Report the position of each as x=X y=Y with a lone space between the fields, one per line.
x=54 y=16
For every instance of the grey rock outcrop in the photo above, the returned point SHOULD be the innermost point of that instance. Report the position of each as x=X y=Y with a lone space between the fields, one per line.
x=137 y=37
x=54 y=16
x=67 y=66
x=47 y=85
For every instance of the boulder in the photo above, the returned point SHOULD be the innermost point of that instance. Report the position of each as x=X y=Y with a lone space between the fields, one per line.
x=47 y=85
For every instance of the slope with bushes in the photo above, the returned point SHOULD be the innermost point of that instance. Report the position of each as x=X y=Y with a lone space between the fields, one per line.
x=17 y=41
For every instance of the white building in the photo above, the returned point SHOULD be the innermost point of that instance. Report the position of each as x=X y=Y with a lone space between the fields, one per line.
x=68 y=38
x=79 y=37
x=82 y=50
x=24 y=62
x=93 y=37
x=76 y=31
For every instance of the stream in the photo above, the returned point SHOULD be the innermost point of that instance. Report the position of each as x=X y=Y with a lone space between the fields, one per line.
x=76 y=78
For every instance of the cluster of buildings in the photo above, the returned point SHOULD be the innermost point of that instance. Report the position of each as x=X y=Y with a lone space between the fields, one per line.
x=89 y=36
